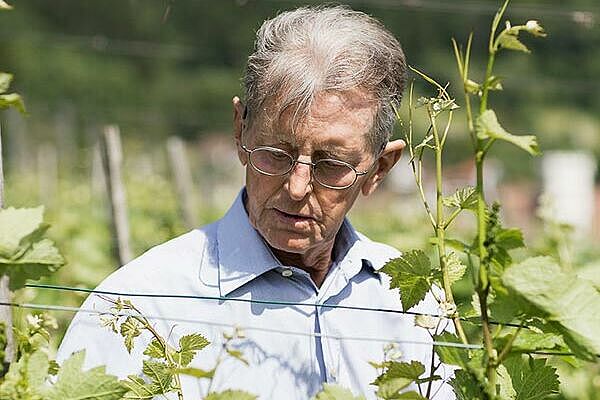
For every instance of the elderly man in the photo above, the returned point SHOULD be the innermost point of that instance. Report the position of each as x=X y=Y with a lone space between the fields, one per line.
x=284 y=264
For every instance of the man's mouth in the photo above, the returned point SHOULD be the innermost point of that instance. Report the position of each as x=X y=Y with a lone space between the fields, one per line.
x=293 y=217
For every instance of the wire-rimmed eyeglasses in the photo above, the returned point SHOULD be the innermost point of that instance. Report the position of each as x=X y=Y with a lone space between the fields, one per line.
x=328 y=172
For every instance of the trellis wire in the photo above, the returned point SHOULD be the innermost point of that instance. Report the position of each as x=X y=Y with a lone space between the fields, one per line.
x=50 y=307
x=252 y=301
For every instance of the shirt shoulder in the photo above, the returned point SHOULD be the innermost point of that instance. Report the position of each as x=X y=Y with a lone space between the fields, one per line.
x=170 y=264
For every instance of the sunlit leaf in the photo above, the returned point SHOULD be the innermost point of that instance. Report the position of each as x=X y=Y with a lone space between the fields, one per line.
x=412 y=274
x=531 y=378
x=188 y=346
x=456 y=269
x=231 y=395
x=397 y=376
x=17 y=225
x=196 y=372
x=512 y=42
x=489 y=127
x=138 y=388
x=335 y=392
x=465 y=386
x=130 y=329
x=160 y=376
x=448 y=354
x=464 y=198
x=530 y=340
x=74 y=383
x=561 y=297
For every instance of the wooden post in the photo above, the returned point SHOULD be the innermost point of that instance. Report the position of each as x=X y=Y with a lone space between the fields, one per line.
x=183 y=180
x=5 y=297
x=113 y=160
x=97 y=175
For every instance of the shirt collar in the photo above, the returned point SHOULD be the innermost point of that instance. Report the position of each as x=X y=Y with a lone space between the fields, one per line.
x=244 y=255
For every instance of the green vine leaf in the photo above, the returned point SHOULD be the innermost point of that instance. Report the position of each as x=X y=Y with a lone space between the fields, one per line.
x=74 y=383
x=160 y=375
x=335 y=392
x=188 y=346
x=25 y=377
x=24 y=253
x=130 y=329
x=155 y=349
x=18 y=228
x=451 y=355
x=509 y=40
x=397 y=376
x=231 y=395
x=488 y=127
x=196 y=372
x=456 y=269
x=561 y=297
x=138 y=388
x=412 y=395
x=509 y=37
x=531 y=378
x=530 y=340
x=465 y=199
x=465 y=386
x=412 y=274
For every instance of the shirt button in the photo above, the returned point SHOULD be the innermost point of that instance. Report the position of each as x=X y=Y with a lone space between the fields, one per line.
x=287 y=272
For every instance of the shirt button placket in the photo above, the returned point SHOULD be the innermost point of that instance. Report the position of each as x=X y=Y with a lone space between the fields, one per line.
x=331 y=351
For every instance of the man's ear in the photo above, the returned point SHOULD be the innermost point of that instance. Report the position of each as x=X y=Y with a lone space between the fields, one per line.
x=239 y=124
x=390 y=156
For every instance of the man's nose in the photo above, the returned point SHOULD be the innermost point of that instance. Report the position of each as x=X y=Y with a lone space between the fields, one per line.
x=299 y=181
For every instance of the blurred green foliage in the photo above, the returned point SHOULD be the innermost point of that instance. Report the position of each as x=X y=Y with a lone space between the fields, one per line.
x=158 y=68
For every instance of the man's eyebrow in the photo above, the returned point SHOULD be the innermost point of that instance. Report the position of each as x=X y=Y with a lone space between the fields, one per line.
x=350 y=156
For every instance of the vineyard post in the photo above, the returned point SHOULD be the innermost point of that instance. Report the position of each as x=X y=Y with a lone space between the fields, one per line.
x=183 y=180
x=5 y=311
x=113 y=160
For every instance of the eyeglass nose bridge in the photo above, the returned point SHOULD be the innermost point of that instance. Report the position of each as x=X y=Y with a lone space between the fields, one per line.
x=309 y=163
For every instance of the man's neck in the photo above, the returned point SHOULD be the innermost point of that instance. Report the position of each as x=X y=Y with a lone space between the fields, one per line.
x=317 y=264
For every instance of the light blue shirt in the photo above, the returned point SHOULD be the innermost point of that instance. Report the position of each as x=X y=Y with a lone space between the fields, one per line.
x=286 y=360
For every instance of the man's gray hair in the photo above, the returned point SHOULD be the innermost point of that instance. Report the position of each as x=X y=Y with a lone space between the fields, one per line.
x=303 y=52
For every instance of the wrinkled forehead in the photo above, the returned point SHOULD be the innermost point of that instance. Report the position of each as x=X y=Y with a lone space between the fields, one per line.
x=328 y=112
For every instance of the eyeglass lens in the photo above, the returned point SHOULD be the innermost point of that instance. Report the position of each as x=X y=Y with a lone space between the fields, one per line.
x=327 y=172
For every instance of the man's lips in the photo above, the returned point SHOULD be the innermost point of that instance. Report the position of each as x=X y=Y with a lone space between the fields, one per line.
x=294 y=216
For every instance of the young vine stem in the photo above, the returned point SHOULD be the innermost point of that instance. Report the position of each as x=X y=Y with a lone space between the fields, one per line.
x=144 y=321
x=440 y=224
x=433 y=368
x=417 y=169
x=483 y=285
x=508 y=346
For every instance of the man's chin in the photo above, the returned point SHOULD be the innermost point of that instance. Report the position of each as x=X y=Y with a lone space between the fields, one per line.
x=290 y=245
